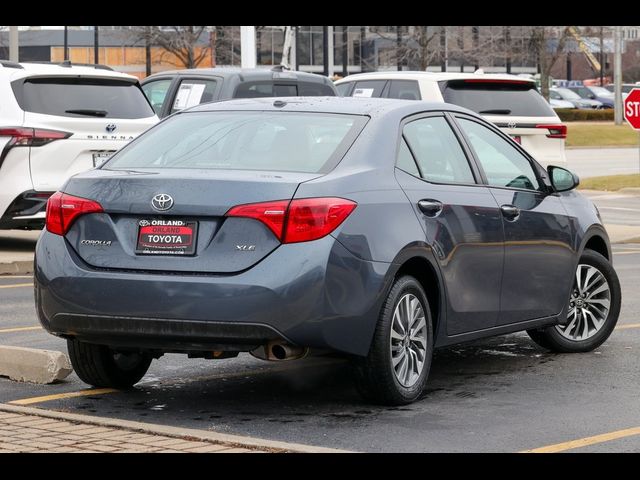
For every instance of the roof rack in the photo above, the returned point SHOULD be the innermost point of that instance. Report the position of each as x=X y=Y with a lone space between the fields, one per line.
x=68 y=64
x=8 y=64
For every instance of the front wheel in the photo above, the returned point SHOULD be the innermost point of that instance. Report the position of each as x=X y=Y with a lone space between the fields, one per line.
x=593 y=310
x=395 y=371
x=101 y=366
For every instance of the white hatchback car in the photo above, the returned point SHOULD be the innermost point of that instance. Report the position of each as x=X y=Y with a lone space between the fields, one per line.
x=57 y=120
x=512 y=103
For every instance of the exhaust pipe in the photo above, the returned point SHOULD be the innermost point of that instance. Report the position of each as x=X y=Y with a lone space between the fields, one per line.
x=276 y=351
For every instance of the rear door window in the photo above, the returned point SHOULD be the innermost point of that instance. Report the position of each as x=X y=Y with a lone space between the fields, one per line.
x=156 y=92
x=404 y=90
x=437 y=151
x=369 y=88
x=193 y=92
x=82 y=97
x=486 y=97
x=344 y=88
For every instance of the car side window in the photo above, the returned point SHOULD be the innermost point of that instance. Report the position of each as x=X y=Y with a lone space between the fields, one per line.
x=156 y=92
x=502 y=163
x=343 y=88
x=369 y=88
x=404 y=90
x=405 y=160
x=193 y=92
x=437 y=151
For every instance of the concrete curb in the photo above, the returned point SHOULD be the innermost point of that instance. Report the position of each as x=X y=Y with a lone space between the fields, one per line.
x=33 y=364
x=630 y=190
x=599 y=147
x=188 y=433
x=21 y=267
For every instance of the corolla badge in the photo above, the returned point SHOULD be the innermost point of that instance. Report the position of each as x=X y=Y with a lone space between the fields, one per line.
x=110 y=128
x=162 y=202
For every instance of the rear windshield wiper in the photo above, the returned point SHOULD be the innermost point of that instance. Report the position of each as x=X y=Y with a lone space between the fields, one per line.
x=497 y=111
x=89 y=112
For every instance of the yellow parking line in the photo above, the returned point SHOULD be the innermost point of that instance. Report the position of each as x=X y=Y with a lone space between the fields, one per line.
x=59 y=396
x=628 y=325
x=16 y=285
x=584 y=442
x=18 y=329
x=628 y=252
x=9 y=277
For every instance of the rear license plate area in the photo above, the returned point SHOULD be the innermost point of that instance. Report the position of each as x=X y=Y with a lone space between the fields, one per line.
x=166 y=237
x=100 y=157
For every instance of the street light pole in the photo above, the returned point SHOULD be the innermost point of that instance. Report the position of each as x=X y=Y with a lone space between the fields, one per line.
x=617 y=74
x=14 y=54
x=66 y=43
x=96 y=51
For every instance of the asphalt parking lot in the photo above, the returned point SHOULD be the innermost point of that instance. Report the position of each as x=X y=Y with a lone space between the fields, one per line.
x=501 y=394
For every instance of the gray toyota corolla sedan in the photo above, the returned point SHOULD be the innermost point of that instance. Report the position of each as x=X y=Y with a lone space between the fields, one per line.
x=379 y=229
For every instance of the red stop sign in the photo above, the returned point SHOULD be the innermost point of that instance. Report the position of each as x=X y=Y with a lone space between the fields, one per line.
x=632 y=108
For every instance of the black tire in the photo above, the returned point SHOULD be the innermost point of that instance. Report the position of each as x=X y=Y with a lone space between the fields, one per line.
x=100 y=366
x=551 y=339
x=374 y=374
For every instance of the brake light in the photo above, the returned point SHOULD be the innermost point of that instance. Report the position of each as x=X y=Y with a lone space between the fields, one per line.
x=300 y=220
x=28 y=137
x=497 y=80
x=63 y=209
x=33 y=137
x=555 y=131
x=272 y=214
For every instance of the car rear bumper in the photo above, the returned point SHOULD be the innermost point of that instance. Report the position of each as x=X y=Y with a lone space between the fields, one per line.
x=314 y=294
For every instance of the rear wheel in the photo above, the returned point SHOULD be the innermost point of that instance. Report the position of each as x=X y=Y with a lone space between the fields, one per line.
x=395 y=371
x=101 y=366
x=594 y=306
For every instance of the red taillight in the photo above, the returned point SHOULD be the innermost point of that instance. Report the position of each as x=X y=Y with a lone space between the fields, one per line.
x=63 y=209
x=300 y=220
x=34 y=137
x=28 y=137
x=555 y=131
x=272 y=214
x=313 y=218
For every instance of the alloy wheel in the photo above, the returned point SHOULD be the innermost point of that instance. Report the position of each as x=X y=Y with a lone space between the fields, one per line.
x=408 y=341
x=588 y=304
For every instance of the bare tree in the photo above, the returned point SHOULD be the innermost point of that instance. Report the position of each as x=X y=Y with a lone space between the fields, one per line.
x=548 y=44
x=181 y=41
x=413 y=45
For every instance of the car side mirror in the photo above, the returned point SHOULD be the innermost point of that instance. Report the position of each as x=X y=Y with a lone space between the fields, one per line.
x=562 y=179
x=592 y=96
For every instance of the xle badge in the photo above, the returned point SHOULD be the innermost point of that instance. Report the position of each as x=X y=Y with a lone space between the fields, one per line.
x=245 y=248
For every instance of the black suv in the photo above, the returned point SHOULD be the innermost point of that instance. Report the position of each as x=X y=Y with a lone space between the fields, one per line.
x=175 y=90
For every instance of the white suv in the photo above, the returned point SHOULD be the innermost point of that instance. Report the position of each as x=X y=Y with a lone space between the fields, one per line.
x=512 y=103
x=58 y=120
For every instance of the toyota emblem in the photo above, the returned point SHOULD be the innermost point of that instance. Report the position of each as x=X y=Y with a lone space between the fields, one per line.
x=110 y=128
x=162 y=202
x=511 y=125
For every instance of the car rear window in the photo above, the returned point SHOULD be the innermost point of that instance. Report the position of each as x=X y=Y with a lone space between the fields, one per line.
x=271 y=89
x=82 y=97
x=507 y=98
x=283 y=141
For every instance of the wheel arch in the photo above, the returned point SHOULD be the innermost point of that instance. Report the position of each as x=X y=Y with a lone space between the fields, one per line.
x=417 y=259
x=596 y=239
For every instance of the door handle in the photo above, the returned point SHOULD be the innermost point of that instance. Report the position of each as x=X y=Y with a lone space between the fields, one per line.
x=430 y=207
x=510 y=212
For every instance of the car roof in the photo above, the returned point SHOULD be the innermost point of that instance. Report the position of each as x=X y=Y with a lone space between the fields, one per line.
x=246 y=74
x=26 y=69
x=342 y=105
x=432 y=76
